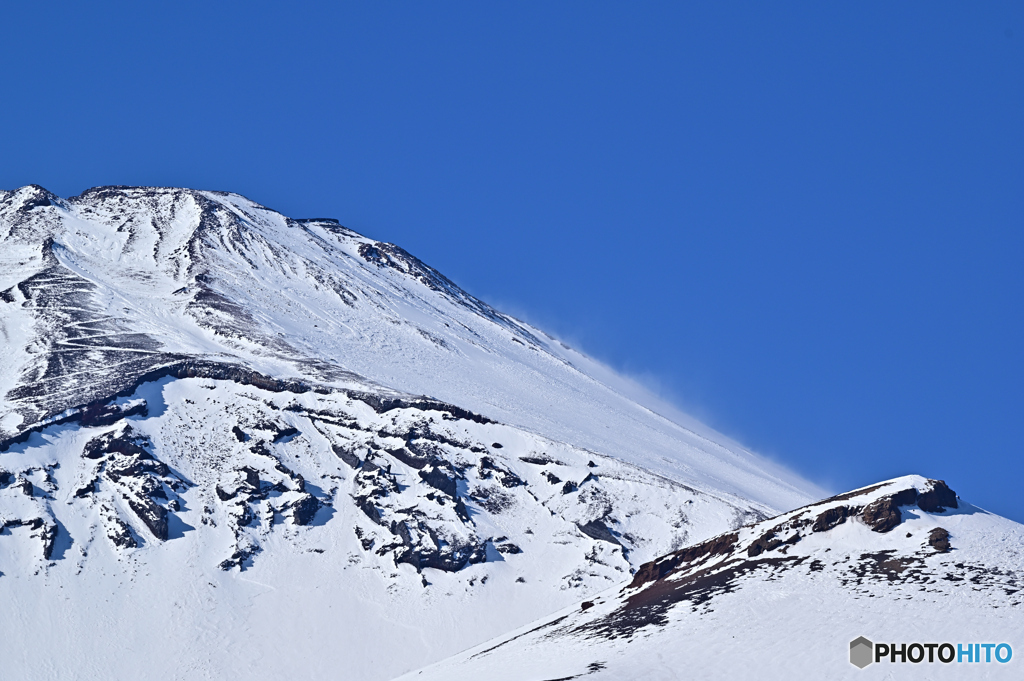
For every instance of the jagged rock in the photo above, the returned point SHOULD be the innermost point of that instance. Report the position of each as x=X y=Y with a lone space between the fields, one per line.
x=304 y=509
x=828 y=519
x=125 y=441
x=439 y=479
x=117 y=530
x=656 y=569
x=883 y=514
x=937 y=499
x=239 y=434
x=552 y=478
x=152 y=514
x=569 y=487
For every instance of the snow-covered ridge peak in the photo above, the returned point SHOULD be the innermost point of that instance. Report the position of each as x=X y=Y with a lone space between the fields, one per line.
x=879 y=561
x=876 y=507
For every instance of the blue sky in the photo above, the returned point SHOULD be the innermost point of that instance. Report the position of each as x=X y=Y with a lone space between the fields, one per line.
x=804 y=224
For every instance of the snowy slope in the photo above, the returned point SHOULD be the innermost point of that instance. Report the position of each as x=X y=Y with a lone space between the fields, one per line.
x=216 y=447
x=135 y=278
x=903 y=561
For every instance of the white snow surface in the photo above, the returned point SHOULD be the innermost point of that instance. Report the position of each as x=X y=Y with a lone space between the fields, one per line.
x=284 y=504
x=312 y=298
x=793 y=611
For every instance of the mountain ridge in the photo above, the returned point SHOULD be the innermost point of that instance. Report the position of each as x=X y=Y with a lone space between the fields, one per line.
x=277 y=431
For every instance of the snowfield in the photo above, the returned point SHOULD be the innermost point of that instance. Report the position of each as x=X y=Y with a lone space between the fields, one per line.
x=784 y=598
x=236 y=445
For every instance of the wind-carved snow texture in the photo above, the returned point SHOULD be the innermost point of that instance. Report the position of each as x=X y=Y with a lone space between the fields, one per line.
x=228 y=430
x=903 y=560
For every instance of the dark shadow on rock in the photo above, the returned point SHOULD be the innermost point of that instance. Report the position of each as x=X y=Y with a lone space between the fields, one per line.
x=62 y=542
x=493 y=555
x=322 y=517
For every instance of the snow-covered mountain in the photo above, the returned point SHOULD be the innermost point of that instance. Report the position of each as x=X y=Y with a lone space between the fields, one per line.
x=238 y=445
x=803 y=595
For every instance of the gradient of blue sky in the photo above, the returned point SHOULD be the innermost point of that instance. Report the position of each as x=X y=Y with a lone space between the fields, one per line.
x=805 y=224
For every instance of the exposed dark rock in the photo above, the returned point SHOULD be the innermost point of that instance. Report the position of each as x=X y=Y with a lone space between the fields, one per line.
x=251 y=481
x=382 y=404
x=304 y=509
x=366 y=542
x=883 y=514
x=769 y=541
x=347 y=455
x=569 y=487
x=591 y=464
x=507 y=478
x=938 y=498
x=552 y=478
x=508 y=548
x=446 y=557
x=596 y=529
x=24 y=485
x=239 y=434
x=366 y=505
x=439 y=479
x=239 y=558
x=120 y=534
x=586 y=605
x=152 y=514
x=496 y=445
x=125 y=442
x=98 y=414
x=48 y=536
x=938 y=539
x=5 y=478
x=539 y=460
x=837 y=515
x=86 y=489
x=656 y=569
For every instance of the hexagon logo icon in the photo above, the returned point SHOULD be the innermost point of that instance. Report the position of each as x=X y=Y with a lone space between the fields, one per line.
x=861 y=652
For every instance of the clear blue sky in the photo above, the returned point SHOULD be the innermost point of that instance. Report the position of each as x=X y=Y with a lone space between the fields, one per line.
x=805 y=224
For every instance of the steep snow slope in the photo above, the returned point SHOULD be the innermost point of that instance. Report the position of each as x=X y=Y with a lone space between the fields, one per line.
x=215 y=448
x=903 y=561
x=134 y=278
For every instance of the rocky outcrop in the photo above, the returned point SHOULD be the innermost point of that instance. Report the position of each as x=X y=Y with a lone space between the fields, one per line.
x=938 y=539
x=126 y=465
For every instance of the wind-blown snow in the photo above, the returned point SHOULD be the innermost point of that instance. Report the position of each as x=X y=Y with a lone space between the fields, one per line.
x=217 y=460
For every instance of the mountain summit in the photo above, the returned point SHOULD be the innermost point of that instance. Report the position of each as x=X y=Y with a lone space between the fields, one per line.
x=256 y=446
